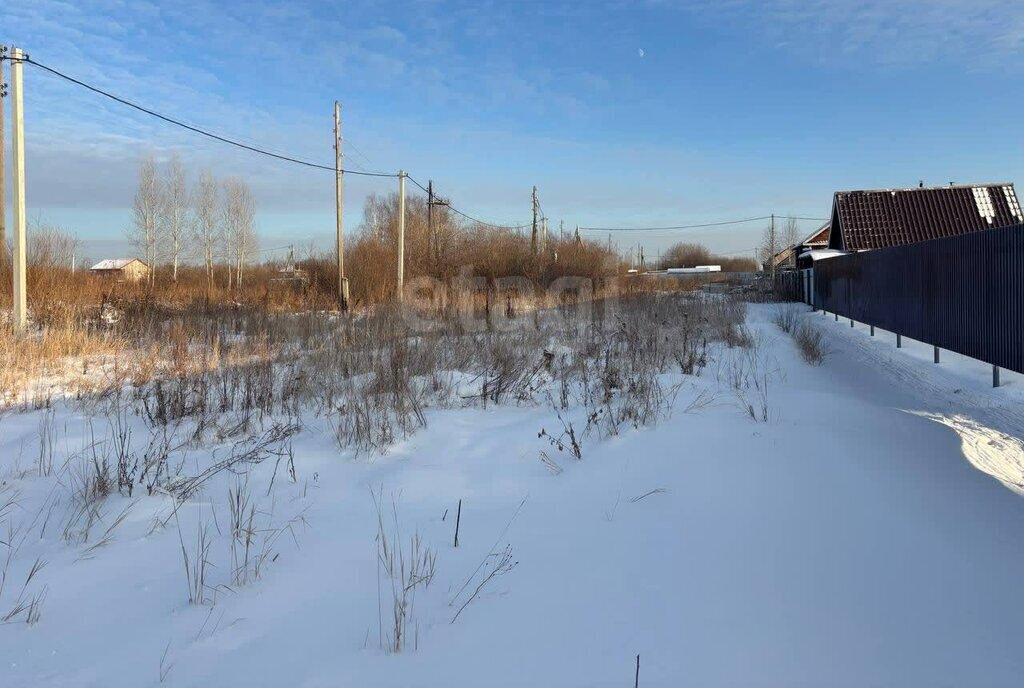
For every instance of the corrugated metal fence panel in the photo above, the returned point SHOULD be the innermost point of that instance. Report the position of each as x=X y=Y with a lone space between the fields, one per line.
x=963 y=293
x=795 y=285
x=789 y=286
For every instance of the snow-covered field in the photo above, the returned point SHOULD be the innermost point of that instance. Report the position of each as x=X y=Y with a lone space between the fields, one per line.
x=855 y=538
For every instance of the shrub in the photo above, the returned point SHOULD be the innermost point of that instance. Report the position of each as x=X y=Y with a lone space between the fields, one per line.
x=808 y=340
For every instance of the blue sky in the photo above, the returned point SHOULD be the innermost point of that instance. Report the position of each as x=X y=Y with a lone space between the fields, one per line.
x=734 y=108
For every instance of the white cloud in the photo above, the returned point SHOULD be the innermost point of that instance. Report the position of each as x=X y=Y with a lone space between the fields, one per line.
x=982 y=33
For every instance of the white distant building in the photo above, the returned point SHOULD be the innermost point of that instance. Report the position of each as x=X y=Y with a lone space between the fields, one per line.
x=694 y=270
x=121 y=269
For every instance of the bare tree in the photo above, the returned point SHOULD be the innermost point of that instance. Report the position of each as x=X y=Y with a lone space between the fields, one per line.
x=239 y=211
x=686 y=255
x=174 y=208
x=777 y=239
x=790 y=232
x=205 y=220
x=50 y=246
x=146 y=210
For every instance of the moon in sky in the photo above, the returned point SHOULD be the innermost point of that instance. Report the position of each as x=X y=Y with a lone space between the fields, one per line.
x=640 y=52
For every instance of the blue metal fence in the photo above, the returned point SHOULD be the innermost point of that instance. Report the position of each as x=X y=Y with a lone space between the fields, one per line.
x=962 y=293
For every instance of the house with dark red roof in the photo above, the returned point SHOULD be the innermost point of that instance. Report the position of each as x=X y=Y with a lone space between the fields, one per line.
x=866 y=220
x=787 y=258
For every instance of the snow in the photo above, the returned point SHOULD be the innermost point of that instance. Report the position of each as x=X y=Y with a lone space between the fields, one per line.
x=113 y=263
x=848 y=541
x=822 y=254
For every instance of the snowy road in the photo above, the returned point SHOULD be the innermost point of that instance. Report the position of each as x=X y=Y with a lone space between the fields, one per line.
x=846 y=542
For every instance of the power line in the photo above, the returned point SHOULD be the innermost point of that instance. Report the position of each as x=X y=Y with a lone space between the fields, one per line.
x=256 y=250
x=362 y=172
x=465 y=215
x=361 y=154
x=197 y=130
x=655 y=229
x=695 y=226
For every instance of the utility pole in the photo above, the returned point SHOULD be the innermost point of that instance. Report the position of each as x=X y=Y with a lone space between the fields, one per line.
x=18 y=150
x=400 y=284
x=561 y=230
x=771 y=247
x=533 y=236
x=430 y=220
x=3 y=165
x=544 y=235
x=342 y=281
x=435 y=242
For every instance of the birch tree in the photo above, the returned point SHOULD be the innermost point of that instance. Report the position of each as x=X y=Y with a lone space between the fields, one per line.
x=206 y=221
x=146 y=210
x=790 y=232
x=239 y=213
x=174 y=206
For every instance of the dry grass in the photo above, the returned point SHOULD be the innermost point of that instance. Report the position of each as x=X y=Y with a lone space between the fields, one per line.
x=67 y=350
x=809 y=340
x=789 y=319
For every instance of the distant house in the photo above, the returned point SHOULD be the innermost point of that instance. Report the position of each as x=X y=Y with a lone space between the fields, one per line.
x=121 y=269
x=788 y=257
x=865 y=220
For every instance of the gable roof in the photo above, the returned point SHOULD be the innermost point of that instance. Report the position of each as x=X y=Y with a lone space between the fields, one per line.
x=819 y=237
x=115 y=263
x=891 y=217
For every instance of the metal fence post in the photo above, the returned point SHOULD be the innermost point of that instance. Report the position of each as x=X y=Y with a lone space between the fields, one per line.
x=872 y=330
x=936 y=353
x=899 y=341
x=995 y=376
x=851 y=322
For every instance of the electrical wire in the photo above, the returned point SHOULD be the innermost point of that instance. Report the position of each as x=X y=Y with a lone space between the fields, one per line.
x=362 y=172
x=695 y=226
x=465 y=215
x=258 y=250
x=197 y=130
x=354 y=147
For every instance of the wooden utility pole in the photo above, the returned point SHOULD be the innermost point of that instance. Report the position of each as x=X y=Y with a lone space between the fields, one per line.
x=533 y=235
x=771 y=247
x=18 y=151
x=400 y=283
x=342 y=281
x=3 y=166
x=430 y=222
x=435 y=241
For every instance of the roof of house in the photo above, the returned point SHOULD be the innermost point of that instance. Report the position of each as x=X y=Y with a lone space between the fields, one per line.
x=114 y=263
x=891 y=217
x=819 y=237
